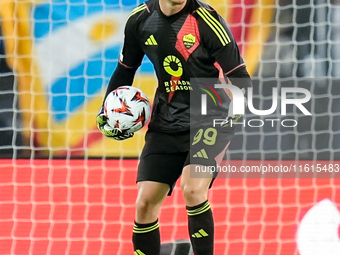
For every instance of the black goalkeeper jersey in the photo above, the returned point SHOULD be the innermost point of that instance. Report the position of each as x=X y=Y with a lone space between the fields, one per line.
x=193 y=43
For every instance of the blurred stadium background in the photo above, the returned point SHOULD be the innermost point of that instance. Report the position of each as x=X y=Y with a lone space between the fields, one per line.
x=64 y=189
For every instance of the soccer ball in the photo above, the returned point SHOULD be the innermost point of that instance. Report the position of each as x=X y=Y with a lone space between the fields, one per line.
x=127 y=108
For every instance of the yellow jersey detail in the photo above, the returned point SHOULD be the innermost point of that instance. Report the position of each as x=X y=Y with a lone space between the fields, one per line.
x=170 y=62
x=136 y=10
x=189 y=41
x=215 y=25
x=151 y=41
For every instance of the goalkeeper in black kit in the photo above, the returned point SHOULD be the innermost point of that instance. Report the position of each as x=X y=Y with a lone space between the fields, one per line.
x=185 y=40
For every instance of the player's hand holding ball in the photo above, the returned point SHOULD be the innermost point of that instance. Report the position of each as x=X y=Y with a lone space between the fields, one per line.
x=107 y=130
x=125 y=111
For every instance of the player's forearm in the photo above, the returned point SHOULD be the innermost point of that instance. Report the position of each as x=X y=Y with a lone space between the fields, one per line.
x=122 y=76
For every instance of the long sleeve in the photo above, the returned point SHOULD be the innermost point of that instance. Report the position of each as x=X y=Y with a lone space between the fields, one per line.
x=222 y=46
x=129 y=60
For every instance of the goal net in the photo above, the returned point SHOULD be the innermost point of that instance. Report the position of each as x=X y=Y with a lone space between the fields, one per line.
x=65 y=189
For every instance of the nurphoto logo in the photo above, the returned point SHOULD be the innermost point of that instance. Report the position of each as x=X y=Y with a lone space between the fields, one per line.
x=238 y=105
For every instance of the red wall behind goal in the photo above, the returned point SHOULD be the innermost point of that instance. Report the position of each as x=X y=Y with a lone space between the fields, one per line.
x=87 y=207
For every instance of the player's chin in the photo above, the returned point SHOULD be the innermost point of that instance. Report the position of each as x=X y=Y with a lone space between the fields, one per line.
x=178 y=2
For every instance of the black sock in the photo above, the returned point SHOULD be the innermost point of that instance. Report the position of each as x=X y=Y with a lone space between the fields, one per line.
x=146 y=239
x=201 y=228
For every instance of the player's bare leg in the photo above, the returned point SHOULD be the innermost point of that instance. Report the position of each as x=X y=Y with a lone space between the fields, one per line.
x=146 y=237
x=200 y=219
x=195 y=190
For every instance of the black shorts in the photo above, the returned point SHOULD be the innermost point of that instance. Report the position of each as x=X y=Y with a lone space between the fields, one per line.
x=165 y=154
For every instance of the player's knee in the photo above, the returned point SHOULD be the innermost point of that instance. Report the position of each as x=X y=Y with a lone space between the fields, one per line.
x=192 y=192
x=146 y=206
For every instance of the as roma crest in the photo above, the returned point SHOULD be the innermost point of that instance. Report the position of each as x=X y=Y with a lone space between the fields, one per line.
x=189 y=41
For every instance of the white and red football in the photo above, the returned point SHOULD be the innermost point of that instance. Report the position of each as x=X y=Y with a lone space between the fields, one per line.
x=127 y=108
